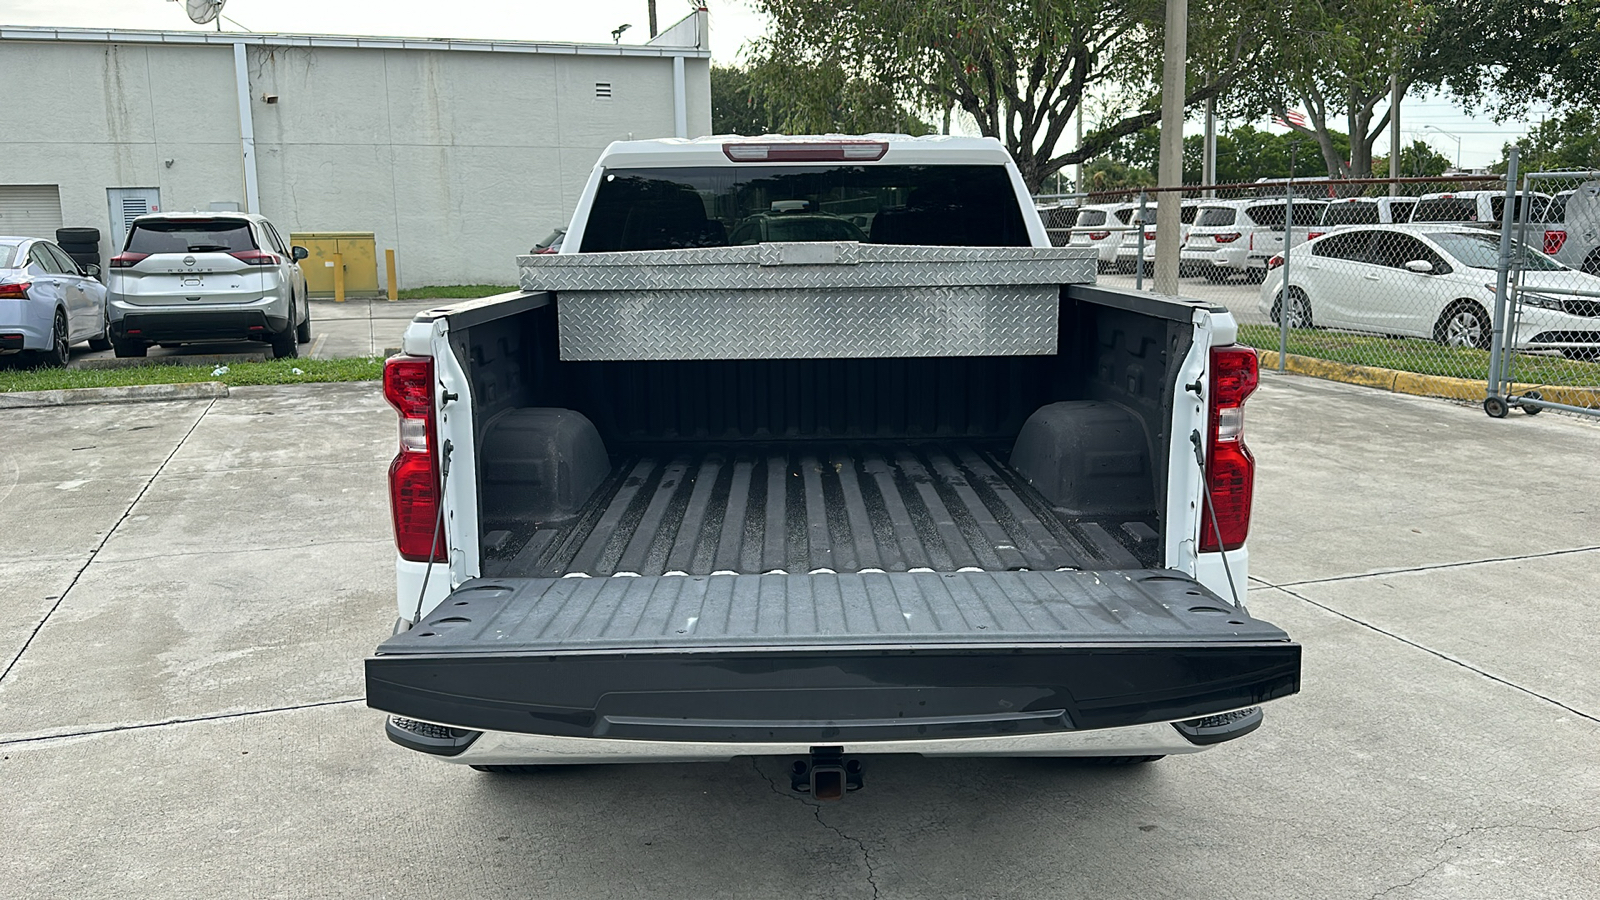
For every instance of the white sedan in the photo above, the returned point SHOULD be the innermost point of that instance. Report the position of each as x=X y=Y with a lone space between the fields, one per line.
x=1432 y=281
x=48 y=302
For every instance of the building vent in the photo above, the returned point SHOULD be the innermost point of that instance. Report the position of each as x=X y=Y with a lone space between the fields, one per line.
x=602 y=90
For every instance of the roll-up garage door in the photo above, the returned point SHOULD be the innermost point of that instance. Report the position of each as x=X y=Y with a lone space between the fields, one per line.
x=30 y=210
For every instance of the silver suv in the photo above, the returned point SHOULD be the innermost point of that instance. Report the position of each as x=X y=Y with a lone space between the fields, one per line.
x=190 y=277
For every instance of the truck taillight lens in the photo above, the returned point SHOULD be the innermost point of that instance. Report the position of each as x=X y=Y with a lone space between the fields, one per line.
x=1230 y=469
x=1227 y=238
x=1553 y=241
x=414 y=475
x=127 y=259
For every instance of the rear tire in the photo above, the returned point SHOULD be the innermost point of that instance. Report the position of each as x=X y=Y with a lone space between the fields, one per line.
x=1217 y=274
x=100 y=344
x=126 y=349
x=1464 y=323
x=283 y=345
x=59 y=353
x=78 y=235
x=302 y=332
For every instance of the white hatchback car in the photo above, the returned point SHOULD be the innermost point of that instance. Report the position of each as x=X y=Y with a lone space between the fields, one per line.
x=48 y=301
x=1433 y=282
x=219 y=276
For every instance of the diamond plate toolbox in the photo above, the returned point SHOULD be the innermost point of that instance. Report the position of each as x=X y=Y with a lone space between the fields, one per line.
x=807 y=301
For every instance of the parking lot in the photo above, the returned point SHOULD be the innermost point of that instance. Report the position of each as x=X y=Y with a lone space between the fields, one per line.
x=192 y=588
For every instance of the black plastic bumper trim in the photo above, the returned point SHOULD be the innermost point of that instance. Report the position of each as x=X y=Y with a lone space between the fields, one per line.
x=834 y=694
x=425 y=743
x=224 y=324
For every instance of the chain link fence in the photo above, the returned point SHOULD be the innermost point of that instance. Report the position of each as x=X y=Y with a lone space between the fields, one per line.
x=1401 y=278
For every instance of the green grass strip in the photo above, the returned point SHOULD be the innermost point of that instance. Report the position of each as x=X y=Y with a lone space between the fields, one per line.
x=454 y=291
x=239 y=374
x=1420 y=356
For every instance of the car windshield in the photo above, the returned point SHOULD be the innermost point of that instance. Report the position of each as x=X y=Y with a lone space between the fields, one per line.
x=665 y=208
x=190 y=236
x=1216 y=215
x=1482 y=251
x=1350 y=214
x=6 y=252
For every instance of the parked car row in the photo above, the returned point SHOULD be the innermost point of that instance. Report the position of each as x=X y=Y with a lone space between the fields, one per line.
x=181 y=278
x=1434 y=281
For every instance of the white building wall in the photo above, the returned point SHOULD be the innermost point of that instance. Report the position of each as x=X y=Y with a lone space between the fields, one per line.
x=457 y=159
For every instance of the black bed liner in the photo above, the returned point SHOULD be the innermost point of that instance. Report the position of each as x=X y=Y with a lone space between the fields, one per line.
x=800 y=508
x=830 y=657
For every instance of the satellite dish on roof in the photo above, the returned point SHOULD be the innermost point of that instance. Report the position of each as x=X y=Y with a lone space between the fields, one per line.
x=203 y=11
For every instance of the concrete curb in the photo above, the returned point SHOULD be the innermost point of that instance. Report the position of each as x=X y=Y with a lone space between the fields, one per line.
x=1443 y=386
x=133 y=393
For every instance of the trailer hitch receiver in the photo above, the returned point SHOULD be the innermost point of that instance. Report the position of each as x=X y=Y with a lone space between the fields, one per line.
x=826 y=774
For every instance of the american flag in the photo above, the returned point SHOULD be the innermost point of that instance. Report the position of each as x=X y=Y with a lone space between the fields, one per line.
x=1294 y=118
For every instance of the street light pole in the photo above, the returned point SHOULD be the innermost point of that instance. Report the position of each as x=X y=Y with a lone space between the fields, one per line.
x=1453 y=137
x=1169 y=205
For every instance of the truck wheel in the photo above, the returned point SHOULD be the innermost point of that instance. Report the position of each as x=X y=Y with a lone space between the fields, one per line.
x=1120 y=760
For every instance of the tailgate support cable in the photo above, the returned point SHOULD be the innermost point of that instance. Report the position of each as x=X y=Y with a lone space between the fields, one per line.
x=1216 y=529
x=438 y=526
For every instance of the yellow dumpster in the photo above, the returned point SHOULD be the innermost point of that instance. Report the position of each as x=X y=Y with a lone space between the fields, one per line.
x=359 y=250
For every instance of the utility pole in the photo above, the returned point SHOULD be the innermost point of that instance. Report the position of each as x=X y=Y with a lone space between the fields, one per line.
x=1394 y=131
x=652 y=4
x=1208 y=155
x=1169 y=206
x=1077 y=170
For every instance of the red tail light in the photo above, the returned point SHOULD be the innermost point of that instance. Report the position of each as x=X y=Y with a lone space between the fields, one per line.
x=545 y=250
x=1149 y=235
x=414 y=474
x=127 y=258
x=1313 y=235
x=1227 y=238
x=1230 y=469
x=1274 y=262
x=257 y=257
x=1553 y=241
x=805 y=151
x=1099 y=235
x=16 y=290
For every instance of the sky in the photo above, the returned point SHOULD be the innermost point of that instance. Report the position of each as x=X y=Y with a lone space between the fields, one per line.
x=733 y=22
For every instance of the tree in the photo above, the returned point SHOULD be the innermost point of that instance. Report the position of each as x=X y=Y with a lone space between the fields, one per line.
x=775 y=97
x=1508 y=54
x=1019 y=68
x=1243 y=154
x=1108 y=174
x=1349 y=50
x=1418 y=160
x=1570 y=142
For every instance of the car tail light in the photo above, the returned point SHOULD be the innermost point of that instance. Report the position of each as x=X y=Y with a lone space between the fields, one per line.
x=1228 y=238
x=1149 y=235
x=806 y=151
x=1313 y=235
x=414 y=475
x=1099 y=235
x=257 y=257
x=1275 y=262
x=16 y=290
x=127 y=258
x=1553 y=240
x=1230 y=469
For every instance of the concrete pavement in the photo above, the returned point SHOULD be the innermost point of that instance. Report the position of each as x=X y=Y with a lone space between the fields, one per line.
x=191 y=588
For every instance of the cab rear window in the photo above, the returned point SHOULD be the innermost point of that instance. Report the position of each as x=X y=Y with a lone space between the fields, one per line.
x=190 y=236
x=714 y=206
x=1350 y=214
x=1216 y=215
x=1446 y=209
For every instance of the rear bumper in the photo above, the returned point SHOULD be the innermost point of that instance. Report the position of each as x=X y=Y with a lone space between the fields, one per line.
x=498 y=748
x=184 y=323
x=25 y=325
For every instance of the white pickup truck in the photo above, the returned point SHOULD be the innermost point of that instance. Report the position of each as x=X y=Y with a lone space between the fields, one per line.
x=814 y=447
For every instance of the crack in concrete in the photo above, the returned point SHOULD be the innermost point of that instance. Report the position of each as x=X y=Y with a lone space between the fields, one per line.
x=816 y=811
x=1442 y=655
x=142 y=726
x=1461 y=836
x=113 y=561
x=1428 y=568
x=103 y=539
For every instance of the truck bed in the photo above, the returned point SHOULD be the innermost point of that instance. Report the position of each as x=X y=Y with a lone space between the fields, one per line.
x=802 y=508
